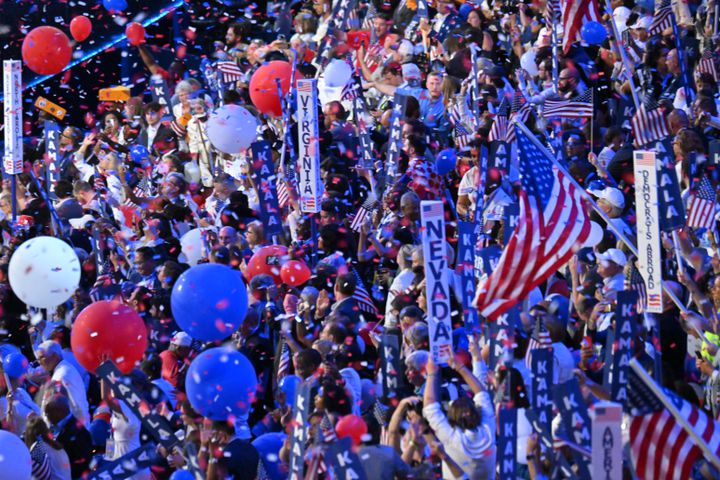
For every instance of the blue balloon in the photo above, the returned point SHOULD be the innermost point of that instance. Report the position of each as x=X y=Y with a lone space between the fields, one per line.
x=139 y=154
x=289 y=386
x=15 y=364
x=465 y=10
x=7 y=349
x=117 y=5
x=221 y=383
x=445 y=161
x=209 y=301
x=593 y=33
x=182 y=475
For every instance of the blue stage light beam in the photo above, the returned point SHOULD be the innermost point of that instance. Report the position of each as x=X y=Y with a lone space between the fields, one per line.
x=169 y=9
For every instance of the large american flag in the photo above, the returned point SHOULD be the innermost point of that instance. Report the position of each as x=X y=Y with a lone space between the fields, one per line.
x=579 y=107
x=575 y=13
x=520 y=112
x=701 y=206
x=649 y=123
x=499 y=128
x=663 y=18
x=231 y=72
x=551 y=224
x=707 y=64
x=660 y=447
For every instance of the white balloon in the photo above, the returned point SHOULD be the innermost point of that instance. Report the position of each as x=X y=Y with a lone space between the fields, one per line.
x=337 y=73
x=44 y=272
x=232 y=129
x=192 y=246
x=595 y=236
x=15 y=463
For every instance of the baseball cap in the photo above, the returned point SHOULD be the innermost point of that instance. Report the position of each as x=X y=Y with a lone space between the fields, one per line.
x=643 y=22
x=410 y=71
x=613 y=255
x=181 y=339
x=613 y=196
x=620 y=16
x=80 y=223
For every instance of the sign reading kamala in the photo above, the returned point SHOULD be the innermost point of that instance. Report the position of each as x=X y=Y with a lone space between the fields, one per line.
x=437 y=285
x=264 y=172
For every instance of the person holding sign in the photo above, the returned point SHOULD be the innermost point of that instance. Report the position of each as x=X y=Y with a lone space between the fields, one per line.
x=467 y=431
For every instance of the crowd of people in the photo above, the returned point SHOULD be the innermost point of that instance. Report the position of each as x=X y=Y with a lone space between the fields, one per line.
x=129 y=192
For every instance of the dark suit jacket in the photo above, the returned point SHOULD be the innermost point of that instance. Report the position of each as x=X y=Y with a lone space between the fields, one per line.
x=347 y=308
x=164 y=141
x=77 y=442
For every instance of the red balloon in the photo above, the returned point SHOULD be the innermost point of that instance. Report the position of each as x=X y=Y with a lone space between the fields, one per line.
x=109 y=328
x=351 y=426
x=135 y=33
x=80 y=28
x=267 y=260
x=46 y=50
x=295 y=273
x=263 y=88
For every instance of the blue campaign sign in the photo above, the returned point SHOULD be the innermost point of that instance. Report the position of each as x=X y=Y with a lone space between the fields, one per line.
x=264 y=176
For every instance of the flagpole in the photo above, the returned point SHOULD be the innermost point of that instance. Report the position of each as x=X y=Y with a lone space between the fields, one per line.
x=623 y=54
x=554 y=40
x=699 y=441
x=599 y=211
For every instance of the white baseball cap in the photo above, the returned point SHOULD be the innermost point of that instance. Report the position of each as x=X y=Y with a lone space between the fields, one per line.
x=181 y=339
x=642 y=22
x=621 y=15
x=611 y=195
x=613 y=255
x=410 y=71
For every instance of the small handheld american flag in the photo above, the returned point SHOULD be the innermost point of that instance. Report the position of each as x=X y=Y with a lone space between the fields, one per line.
x=702 y=205
x=364 y=212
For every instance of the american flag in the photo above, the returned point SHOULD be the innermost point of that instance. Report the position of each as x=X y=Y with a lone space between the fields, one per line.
x=707 y=64
x=362 y=297
x=663 y=18
x=374 y=56
x=540 y=338
x=634 y=281
x=284 y=185
x=649 y=123
x=499 y=128
x=283 y=369
x=660 y=446
x=328 y=429
x=552 y=11
x=462 y=135
x=520 y=111
x=575 y=13
x=578 y=107
x=369 y=15
x=551 y=224
x=283 y=193
x=364 y=212
x=231 y=72
x=701 y=206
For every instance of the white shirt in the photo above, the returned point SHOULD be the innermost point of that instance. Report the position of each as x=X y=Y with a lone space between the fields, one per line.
x=400 y=283
x=70 y=379
x=472 y=450
x=151 y=134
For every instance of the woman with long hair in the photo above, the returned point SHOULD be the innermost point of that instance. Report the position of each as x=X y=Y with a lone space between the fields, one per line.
x=49 y=459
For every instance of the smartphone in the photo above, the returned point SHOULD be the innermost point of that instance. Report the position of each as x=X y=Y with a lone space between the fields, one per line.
x=698 y=354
